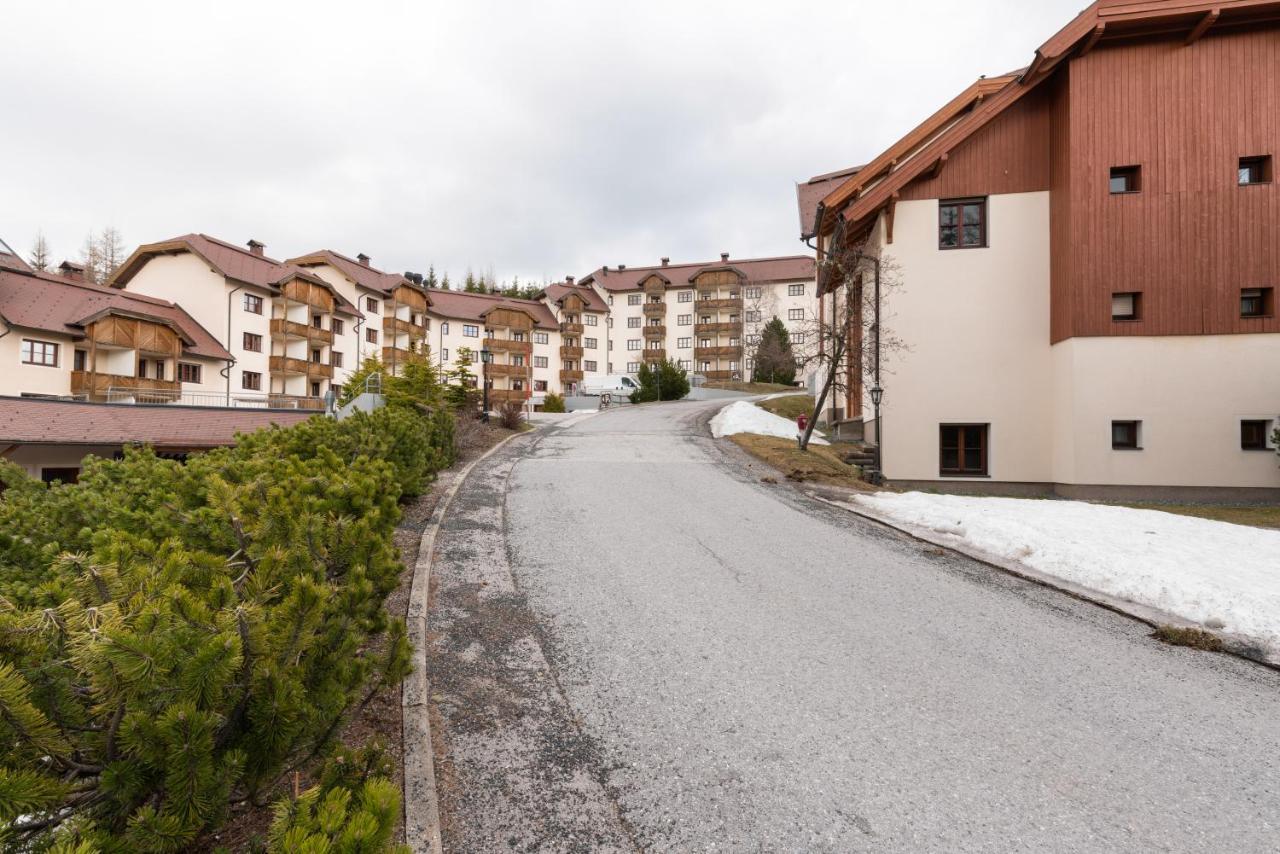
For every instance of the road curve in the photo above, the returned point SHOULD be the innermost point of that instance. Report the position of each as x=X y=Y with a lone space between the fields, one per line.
x=740 y=668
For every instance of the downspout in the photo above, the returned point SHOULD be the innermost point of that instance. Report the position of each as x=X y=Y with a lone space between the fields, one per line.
x=226 y=372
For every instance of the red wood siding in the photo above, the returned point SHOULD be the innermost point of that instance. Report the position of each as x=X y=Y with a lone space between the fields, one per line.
x=1192 y=238
x=1009 y=155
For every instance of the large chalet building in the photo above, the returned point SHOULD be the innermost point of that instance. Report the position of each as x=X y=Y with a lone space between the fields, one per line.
x=1088 y=258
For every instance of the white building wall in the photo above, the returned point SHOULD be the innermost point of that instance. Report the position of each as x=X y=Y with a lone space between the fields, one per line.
x=17 y=379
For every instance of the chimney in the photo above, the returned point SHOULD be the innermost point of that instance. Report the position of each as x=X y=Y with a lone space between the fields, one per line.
x=256 y=247
x=724 y=257
x=363 y=259
x=72 y=271
x=622 y=267
x=569 y=279
x=606 y=269
x=666 y=262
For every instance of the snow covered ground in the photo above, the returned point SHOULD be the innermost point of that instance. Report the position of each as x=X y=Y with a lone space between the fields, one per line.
x=743 y=417
x=1220 y=575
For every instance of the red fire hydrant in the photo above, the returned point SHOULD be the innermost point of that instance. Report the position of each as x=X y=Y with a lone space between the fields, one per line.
x=802 y=421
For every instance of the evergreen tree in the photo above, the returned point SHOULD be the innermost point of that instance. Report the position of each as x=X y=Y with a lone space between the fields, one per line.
x=430 y=280
x=775 y=362
x=673 y=381
x=444 y=283
x=471 y=285
x=40 y=253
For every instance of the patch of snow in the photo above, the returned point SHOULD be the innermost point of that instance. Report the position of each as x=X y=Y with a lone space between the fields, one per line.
x=1220 y=575
x=744 y=417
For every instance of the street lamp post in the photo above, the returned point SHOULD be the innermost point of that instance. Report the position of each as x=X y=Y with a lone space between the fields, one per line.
x=486 y=357
x=877 y=395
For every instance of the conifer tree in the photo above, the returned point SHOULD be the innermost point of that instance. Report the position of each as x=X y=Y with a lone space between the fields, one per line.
x=40 y=253
x=774 y=360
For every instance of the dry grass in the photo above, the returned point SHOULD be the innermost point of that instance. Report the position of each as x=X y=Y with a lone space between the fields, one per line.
x=820 y=464
x=1194 y=638
x=1262 y=516
x=790 y=407
x=751 y=388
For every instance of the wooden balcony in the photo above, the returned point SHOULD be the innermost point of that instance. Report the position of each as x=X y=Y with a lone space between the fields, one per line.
x=571 y=352
x=718 y=329
x=655 y=332
x=720 y=376
x=396 y=326
x=655 y=309
x=300 y=367
x=516 y=371
x=571 y=329
x=717 y=353
x=571 y=377
x=396 y=355
x=507 y=345
x=502 y=395
x=282 y=329
x=729 y=304
x=95 y=385
x=652 y=355
x=292 y=401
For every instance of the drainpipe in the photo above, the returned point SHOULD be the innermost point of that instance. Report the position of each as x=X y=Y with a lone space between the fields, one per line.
x=226 y=372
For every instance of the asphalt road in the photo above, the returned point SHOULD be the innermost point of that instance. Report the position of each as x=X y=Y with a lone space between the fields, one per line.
x=641 y=646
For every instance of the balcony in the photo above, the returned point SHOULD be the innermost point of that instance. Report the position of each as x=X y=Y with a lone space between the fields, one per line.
x=97 y=385
x=717 y=352
x=571 y=377
x=571 y=329
x=302 y=367
x=655 y=309
x=654 y=285
x=720 y=376
x=653 y=355
x=516 y=371
x=508 y=345
x=396 y=355
x=293 y=401
x=396 y=326
x=282 y=329
x=730 y=304
x=571 y=353
x=655 y=331
x=718 y=329
x=502 y=395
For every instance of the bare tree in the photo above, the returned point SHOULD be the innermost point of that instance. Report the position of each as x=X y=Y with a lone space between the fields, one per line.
x=845 y=345
x=40 y=253
x=91 y=257
x=111 y=250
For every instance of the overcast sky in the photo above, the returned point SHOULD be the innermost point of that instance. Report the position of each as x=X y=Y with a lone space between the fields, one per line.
x=535 y=138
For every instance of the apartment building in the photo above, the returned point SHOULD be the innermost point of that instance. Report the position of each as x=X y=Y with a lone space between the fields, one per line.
x=706 y=316
x=61 y=336
x=582 y=316
x=1088 y=262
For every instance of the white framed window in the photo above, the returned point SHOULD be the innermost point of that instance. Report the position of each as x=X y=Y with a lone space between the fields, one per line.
x=654 y=345
x=633 y=323
x=588 y=365
x=733 y=342
x=633 y=367
x=795 y=290
x=470 y=331
x=753 y=340
x=517 y=336
x=683 y=343
x=685 y=296
x=590 y=343
x=797 y=337
x=610 y=299
x=444 y=355
x=590 y=320
x=608 y=322
x=633 y=299
x=686 y=364
x=444 y=328
x=633 y=343
x=540 y=338
x=540 y=361
x=704 y=342
x=795 y=314
x=753 y=317
x=684 y=320
x=753 y=293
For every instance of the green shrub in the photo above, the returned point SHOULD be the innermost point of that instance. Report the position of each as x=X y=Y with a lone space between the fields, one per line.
x=664 y=381
x=553 y=403
x=173 y=637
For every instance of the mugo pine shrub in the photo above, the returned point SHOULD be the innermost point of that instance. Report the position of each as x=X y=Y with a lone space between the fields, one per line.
x=176 y=637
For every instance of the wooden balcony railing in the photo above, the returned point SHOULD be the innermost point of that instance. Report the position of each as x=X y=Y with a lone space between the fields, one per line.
x=289 y=365
x=291 y=401
x=284 y=329
x=728 y=304
x=397 y=326
x=571 y=376
x=655 y=331
x=501 y=395
x=507 y=370
x=96 y=384
x=653 y=355
x=720 y=376
x=571 y=329
x=571 y=352
x=507 y=345
x=717 y=353
x=655 y=309
x=734 y=328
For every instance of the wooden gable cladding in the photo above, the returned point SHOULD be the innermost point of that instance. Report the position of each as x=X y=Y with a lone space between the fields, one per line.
x=507 y=318
x=316 y=296
x=718 y=278
x=411 y=297
x=1008 y=155
x=654 y=284
x=1191 y=238
x=573 y=303
x=132 y=333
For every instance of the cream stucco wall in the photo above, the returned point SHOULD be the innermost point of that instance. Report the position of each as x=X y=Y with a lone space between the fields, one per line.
x=976 y=325
x=1189 y=392
x=18 y=379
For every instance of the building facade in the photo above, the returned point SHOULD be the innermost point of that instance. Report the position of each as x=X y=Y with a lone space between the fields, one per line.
x=1088 y=259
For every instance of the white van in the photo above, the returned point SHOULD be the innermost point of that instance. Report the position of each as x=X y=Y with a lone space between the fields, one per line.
x=618 y=385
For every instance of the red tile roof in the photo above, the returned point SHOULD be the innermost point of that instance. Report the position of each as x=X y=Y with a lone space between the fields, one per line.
x=54 y=304
x=460 y=305
x=62 y=422
x=229 y=260
x=363 y=275
x=10 y=260
x=559 y=291
x=785 y=269
x=815 y=190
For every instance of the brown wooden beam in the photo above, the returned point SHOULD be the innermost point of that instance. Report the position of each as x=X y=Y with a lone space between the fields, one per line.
x=1094 y=38
x=889 y=212
x=1203 y=27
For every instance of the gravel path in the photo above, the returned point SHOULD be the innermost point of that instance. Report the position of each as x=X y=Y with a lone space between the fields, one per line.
x=640 y=646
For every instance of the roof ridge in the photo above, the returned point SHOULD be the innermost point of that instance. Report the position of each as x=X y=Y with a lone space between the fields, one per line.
x=710 y=263
x=235 y=248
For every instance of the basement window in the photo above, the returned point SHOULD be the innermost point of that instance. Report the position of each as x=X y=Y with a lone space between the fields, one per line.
x=1126 y=306
x=1125 y=179
x=1256 y=302
x=962 y=450
x=1125 y=435
x=1254 y=170
x=1253 y=435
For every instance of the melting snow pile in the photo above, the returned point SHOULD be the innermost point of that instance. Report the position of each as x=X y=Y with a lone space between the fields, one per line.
x=743 y=417
x=1220 y=575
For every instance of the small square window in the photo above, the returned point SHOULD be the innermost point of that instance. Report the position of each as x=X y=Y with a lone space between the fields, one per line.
x=962 y=224
x=962 y=450
x=1256 y=302
x=1126 y=179
x=1125 y=435
x=1126 y=306
x=1254 y=170
x=1253 y=435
